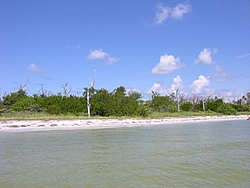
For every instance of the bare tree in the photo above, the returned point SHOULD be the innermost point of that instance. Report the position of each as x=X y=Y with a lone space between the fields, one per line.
x=195 y=100
x=23 y=87
x=205 y=100
x=65 y=90
x=155 y=94
x=178 y=98
x=92 y=84
x=43 y=92
x=198 y=99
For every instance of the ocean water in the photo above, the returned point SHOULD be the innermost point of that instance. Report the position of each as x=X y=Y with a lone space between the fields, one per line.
x=209 y=154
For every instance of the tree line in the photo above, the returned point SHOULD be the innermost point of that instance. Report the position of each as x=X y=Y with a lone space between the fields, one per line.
x=116 y=103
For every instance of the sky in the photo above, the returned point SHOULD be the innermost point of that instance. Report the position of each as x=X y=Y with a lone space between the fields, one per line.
x=201 y=48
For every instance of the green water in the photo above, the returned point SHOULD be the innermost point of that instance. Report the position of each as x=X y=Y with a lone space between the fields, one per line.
x=215 y=154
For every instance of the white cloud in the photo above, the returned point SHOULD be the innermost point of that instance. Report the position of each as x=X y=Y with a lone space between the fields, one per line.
x=220 y=75
x=128 y=90
x=167 y=64
x=205 y=57
x=34 y=68
x=159 y=89
x=99 y=54
x=234 y=94
x=162 y=14
x=156 y=86
x=200 y=86
x=177 y=84
x=180 y=10
x=112 y=60
x=177 y=12
x=229 y=94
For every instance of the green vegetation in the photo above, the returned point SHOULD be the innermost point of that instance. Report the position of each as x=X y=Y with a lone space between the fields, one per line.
x=118 y=103
x=226 y=109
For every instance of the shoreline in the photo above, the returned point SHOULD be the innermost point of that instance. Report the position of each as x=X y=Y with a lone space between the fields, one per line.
x=47 y=125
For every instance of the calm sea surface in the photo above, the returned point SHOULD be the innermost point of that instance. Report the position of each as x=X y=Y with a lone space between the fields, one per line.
x=214 y=154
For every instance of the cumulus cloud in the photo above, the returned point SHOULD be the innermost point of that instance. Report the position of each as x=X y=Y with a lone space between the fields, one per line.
x=200 y=86
x=167 y=64
x=34 y=68
x=177 y=84
x=177 y=12
x=158 y=88
x=99 y=54
x=205 y=56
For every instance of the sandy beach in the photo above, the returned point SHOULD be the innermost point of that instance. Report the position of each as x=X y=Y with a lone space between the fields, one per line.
x=44 y=125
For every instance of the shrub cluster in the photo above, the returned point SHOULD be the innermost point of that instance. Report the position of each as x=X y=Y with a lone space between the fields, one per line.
x=115 y=103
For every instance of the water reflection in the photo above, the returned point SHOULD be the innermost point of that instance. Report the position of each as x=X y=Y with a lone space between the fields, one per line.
x=184 y=155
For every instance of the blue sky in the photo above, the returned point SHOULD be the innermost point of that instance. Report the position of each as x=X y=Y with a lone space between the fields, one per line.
x=198 y=47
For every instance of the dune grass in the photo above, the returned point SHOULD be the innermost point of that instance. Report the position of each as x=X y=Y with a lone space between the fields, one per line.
x=38 y=116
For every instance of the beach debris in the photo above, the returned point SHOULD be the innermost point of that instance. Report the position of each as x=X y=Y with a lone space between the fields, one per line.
x=13 y=126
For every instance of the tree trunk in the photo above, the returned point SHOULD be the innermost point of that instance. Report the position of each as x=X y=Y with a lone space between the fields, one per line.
x=92 y=84
x=178 y=100
x=88 y=105
x=203 y=105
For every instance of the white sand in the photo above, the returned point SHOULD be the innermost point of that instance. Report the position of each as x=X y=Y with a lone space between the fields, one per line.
x=41 y=125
